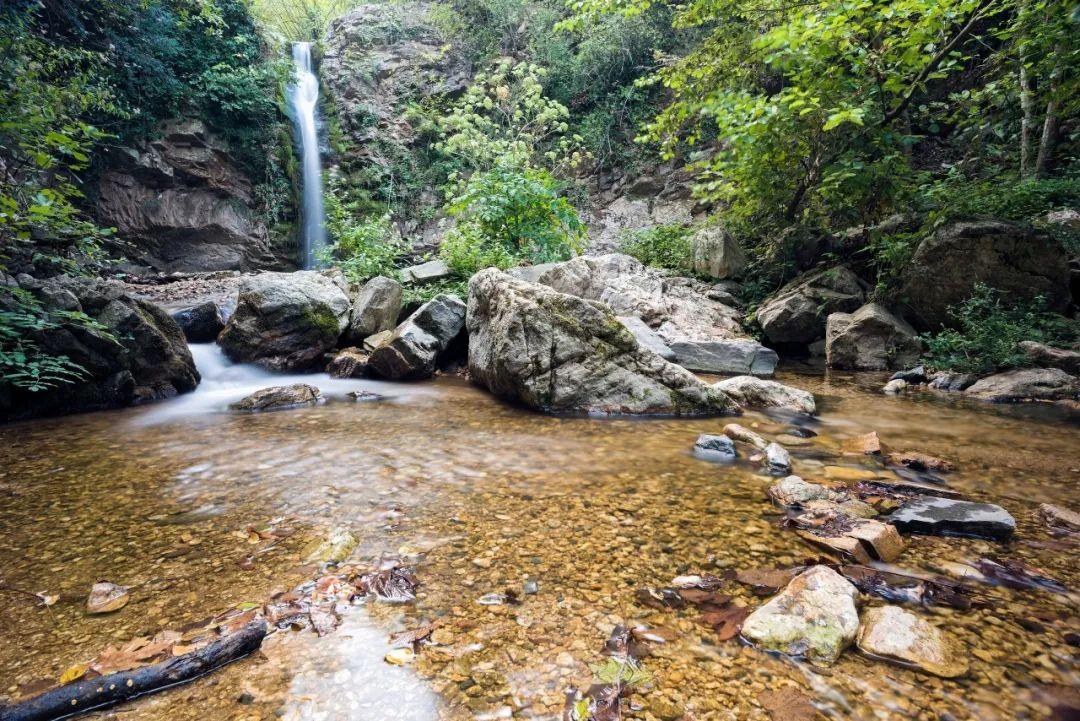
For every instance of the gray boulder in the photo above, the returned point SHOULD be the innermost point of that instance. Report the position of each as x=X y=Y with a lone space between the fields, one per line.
x=1026 y=384
x=200 y=323
x=414 y=350
x=561 y=353
x=752 y=392
x=286 y=321
x=138 y=355
x=375 y=308
x=716 y=253
x=871 y=339
x=278 y=398
x=951 y=381
x=1018 y=260
x=740 y=355
x=428 y=272
x=797 y=313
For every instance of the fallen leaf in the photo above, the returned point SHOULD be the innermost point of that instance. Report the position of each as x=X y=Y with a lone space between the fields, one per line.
x=107 y=597
x=393 y=584
x=1016 y=574
x=726 y=622
x=412 y=636
x=74 y=673
x=47 y=599
x=766 y=581
x=135 y=653
x=788 y=704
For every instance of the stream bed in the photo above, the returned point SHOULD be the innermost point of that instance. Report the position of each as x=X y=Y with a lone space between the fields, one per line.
x=571 y=515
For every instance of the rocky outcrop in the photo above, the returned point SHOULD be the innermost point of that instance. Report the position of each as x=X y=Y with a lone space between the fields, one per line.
x=1026 y=384
x=278 y=398
x=894 y=634
x=286 y=321
x=200 y=323
x=561 y=353
x=1018 y=260
x=647 y=337
x=752 y=392
x=716 y=253
x=870 y=339
x=138 y=354
x=414 y=350
x=375 y=308
x=183 y=204
x=378 y=59
x=814 y=617
x=637 y=209
x=797 y=313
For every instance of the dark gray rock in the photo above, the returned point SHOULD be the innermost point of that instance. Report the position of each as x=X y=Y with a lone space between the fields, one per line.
x=139 y=355
x=278 y=398
x=736 y=356
x=715 y=448
x=1016 y=259
x=413 y=351
x=950 y=517
x=201 y=323
x=952 y=382
x=776 y=459
x=286 y=321
x=375 y=308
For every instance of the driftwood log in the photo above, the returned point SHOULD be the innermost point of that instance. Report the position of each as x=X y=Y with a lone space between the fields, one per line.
x=96 y=693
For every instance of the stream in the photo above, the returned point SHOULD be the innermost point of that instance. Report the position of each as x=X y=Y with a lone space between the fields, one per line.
x=479 y=497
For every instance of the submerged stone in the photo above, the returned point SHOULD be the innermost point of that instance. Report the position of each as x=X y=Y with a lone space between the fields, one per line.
x=776 y=459
x=814 y=617
x=279 y=398
x=894 y=634
x=933 y=515
x=714 y=448
x=794 y=491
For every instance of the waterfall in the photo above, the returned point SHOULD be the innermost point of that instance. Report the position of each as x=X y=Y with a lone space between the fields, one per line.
x=303 y=97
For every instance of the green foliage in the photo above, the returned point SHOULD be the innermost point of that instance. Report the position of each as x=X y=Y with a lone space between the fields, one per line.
x=507 y=215
x=504 y=117
x=624 y=671
x=292 y=20
x=661 y=246
x=989 y=330
x=364 y=245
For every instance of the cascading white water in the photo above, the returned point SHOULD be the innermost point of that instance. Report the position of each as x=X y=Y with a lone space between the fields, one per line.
x=303 y=98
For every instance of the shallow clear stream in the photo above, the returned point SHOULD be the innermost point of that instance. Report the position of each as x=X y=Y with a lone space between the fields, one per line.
x=484 y=497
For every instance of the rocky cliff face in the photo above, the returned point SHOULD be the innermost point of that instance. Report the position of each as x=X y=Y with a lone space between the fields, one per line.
x=183 y=204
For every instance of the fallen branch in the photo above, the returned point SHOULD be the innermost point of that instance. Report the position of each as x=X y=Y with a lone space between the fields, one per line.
x=95 y=693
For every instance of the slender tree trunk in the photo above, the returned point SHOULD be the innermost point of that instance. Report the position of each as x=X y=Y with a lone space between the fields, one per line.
x=1027 y=121
x=1050 y=124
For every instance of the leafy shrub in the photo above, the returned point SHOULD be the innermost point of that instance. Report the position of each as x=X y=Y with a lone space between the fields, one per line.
x=990 y=331
x=364 y=246
x=507 y=215
x=661 y=246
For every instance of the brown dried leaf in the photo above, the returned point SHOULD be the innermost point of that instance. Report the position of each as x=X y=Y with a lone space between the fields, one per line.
x=726 y=622
x=766 y=581
x=392 y=584
x=136 y=652
x=788 y=704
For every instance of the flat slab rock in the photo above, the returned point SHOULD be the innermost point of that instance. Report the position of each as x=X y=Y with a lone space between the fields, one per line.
x=739 y=356
x=895 y=634
x=932 y=515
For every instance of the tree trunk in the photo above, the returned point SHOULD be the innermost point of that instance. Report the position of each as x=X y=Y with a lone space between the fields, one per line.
x=1027 y=121
x=94 y=693
x=1049 y=135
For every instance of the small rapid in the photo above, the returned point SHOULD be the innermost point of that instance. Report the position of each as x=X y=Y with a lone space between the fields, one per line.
x=224 y=382
x=303 y=97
